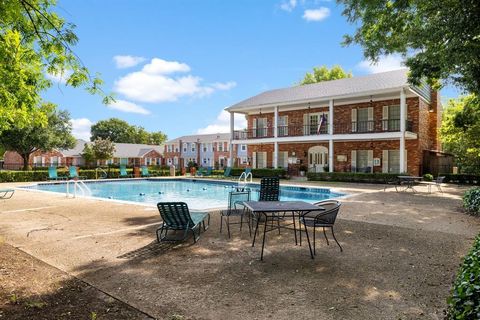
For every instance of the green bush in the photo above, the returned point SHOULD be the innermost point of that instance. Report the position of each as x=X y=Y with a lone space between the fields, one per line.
x=351 y=177
x=461 y=178
x=260 y=173
x=427 y=177
x=464 y=302
x=471 y=201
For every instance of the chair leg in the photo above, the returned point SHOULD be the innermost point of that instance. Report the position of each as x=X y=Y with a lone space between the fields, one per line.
x=325 y=234
x=228 y=226
x=333 y=233
x=249 y=226
x=314 y=232
x=241 y=223
x=308 y=239
x=221 y=222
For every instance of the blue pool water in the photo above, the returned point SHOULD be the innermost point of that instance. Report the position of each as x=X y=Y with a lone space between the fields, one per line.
x=198 y=194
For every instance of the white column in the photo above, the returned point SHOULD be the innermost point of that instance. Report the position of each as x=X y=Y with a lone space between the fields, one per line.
x=232 y=127
x=275 y=134
x=330 y=155
x=403 y=113
x=330 y=117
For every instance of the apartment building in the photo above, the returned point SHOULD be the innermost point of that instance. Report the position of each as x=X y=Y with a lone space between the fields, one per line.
x=373 y=123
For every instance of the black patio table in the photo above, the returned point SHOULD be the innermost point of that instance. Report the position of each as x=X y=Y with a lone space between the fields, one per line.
x=409 y=181
x=271 y=210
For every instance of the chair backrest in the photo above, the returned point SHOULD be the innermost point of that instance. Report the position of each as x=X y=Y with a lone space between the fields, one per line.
x=52 y=172
x=439 y=180
x=227 y=172
x=123 y=170
x=209 y=170
x=269 y=189
x=236 y=199
x=248 y=170
x=144 y=170
x=73 y=171
x=328 y=217
x=175 y=215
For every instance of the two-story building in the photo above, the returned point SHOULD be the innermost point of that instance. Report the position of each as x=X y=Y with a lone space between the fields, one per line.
x=373 y=123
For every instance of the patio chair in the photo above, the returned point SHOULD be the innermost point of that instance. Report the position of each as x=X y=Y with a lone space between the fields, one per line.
x=227 y=172
x=324 y=219
x=124 y=173
x=177 y=217
x=144 y=172
x=53 y=174
x=6 y=193
x=236 y=209
x=73 y=173
x=392 y=182
x=436 y=182
x=269 y=189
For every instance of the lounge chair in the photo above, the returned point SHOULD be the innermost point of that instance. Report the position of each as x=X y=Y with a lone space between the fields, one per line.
x=177 y=217
x=124 y=173
x=236 y=209
x=144 y=172
x=324 y=219
x=6 y=193
x=227 y=172
x=53 y=174
x=200 y=172
x=72 y=170
x=209 y=171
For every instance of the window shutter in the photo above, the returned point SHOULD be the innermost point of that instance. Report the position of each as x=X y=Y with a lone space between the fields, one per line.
x=405 y=162
x=385 y=118
x=370 y=159
x=353 y=161
x=354 y=121
x=254 y=160
x=306 y=122
x=254 y=133
x=370 y=119
x=264 y=159
x=385 y=161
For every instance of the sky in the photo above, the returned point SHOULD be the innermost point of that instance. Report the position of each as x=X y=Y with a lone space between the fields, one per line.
x=174 y=66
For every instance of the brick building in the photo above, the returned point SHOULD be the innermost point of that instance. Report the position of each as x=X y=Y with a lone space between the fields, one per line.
x=373 y=123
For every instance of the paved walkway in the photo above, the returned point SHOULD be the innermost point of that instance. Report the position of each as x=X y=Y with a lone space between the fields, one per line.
x=401 y=251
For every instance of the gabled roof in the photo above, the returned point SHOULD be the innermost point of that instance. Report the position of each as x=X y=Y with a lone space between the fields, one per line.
x=327 y=90
x=75 y=151
x=202 y=138
x=122 y=150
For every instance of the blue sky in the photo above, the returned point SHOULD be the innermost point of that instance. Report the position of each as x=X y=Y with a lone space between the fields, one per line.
x=175 y=65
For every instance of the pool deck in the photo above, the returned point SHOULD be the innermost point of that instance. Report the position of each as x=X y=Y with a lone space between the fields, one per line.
x=401 y=252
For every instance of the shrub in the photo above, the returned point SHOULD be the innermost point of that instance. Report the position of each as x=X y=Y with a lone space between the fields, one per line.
x=260 y=173
x=471 y=201
x=464 y=302
x=427 y=177
x=351 y=177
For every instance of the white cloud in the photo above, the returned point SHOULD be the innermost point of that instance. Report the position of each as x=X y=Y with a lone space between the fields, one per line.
x=127 y=106
x=385 y=63
x=59 y=77
x=160 y=66
x=222 y=124
x=288 y=5
x=81 y=128
x=123 y=62
x=316 y=14
x=153 y=85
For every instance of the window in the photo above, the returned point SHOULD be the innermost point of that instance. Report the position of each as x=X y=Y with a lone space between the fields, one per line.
x=362 y=160
x=123 y=161
x=260 y=127
x=169 y=148
x=204 y=160
x=394 y=118
x=260 y=159
x=169 y=161
x=283 y=126
x=37 y=161
x=243 y=160
x=185 y=147
x=315 y=123
x=220 y=146
x=394 y=161
x=283 y=159
x=193 y=147
x=243 y=147
x=362 y=119
x=148 y=161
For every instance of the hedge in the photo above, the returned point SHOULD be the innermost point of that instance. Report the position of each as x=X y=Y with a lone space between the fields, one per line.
x=471 y=201
x=260 y=173
x=461 y=178
x=464 y=302
x=351 y=177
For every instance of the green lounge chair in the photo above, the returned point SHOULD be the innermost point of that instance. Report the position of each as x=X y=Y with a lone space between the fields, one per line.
x=227 y=172
x=124 y=173
x=209 y=171
x=144 y=172
x=177 y=217
x=53 y=174
x=200 y=172
x=72 y=170
x=6 y=193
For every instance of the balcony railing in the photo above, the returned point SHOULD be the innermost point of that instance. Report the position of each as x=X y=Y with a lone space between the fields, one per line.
x=390 y=125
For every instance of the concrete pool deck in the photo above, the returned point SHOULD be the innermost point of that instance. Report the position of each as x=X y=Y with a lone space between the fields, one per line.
x=401 y=252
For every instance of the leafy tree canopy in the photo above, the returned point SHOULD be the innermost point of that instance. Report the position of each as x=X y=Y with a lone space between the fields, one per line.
x=439 y=39
x=102 y=149
x=322 y=73
x=36 y=41
x=27 y=139
x=120 y=131
x=460 y=132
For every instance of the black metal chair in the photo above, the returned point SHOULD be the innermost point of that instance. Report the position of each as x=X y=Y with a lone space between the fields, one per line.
x=177 y=217
x=324 y=219
x=269 y=189
x=236 y=209
x=392 y=182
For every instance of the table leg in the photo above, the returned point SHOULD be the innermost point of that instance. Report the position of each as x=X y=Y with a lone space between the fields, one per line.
x=308 y=240
x=295 y=229
x=256 y=229
x=264 y=234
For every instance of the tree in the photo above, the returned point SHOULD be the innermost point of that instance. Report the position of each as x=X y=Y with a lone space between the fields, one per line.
x=120 y=131
x=322 y=73
x=103 y=149
x=87 y=154
x=439 y=40
x=26 y=140
x=460 y=132
x=35 y=41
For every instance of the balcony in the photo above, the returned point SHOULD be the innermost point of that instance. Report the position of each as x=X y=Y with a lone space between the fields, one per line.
x=391 y=125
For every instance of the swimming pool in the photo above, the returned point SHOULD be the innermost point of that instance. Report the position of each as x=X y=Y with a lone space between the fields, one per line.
x=198 y=194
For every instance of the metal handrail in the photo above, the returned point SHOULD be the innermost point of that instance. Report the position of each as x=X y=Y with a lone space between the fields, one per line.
x=105 y=174
x=80 y=185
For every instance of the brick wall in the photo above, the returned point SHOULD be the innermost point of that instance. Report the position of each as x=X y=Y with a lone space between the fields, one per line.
x=13 y=161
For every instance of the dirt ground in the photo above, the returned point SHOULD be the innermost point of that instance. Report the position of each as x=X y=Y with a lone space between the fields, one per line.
x=401 y=252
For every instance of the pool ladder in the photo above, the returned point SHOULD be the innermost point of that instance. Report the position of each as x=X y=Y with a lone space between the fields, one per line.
x=242 y=181
x=80 y=185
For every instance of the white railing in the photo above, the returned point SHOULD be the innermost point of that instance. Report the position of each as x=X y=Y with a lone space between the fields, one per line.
x=104 y=175
x=80 y=185
x=243 y=179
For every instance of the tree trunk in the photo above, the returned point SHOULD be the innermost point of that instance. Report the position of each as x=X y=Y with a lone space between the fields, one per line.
x=26 y=164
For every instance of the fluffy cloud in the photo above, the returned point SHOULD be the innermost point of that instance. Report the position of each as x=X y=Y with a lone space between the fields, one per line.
x=127 y=61
x=385 y=63
x=288 y=5
x=127 y=106
x=222 y=124
x=59 y=77
x=316 y=14
x=155 y=84
x=81 y=128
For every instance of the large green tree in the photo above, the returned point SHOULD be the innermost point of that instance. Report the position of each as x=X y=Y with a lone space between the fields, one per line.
x=439 y=39
x=25 y=140
x=36 y=41
x=323 y=73
x=460 y=132
x=120 y=131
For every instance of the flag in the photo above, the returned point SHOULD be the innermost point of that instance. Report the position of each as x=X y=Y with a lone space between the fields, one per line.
x=323 y=119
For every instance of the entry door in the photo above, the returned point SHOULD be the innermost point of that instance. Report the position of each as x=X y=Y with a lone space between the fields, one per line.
x=317 y=158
